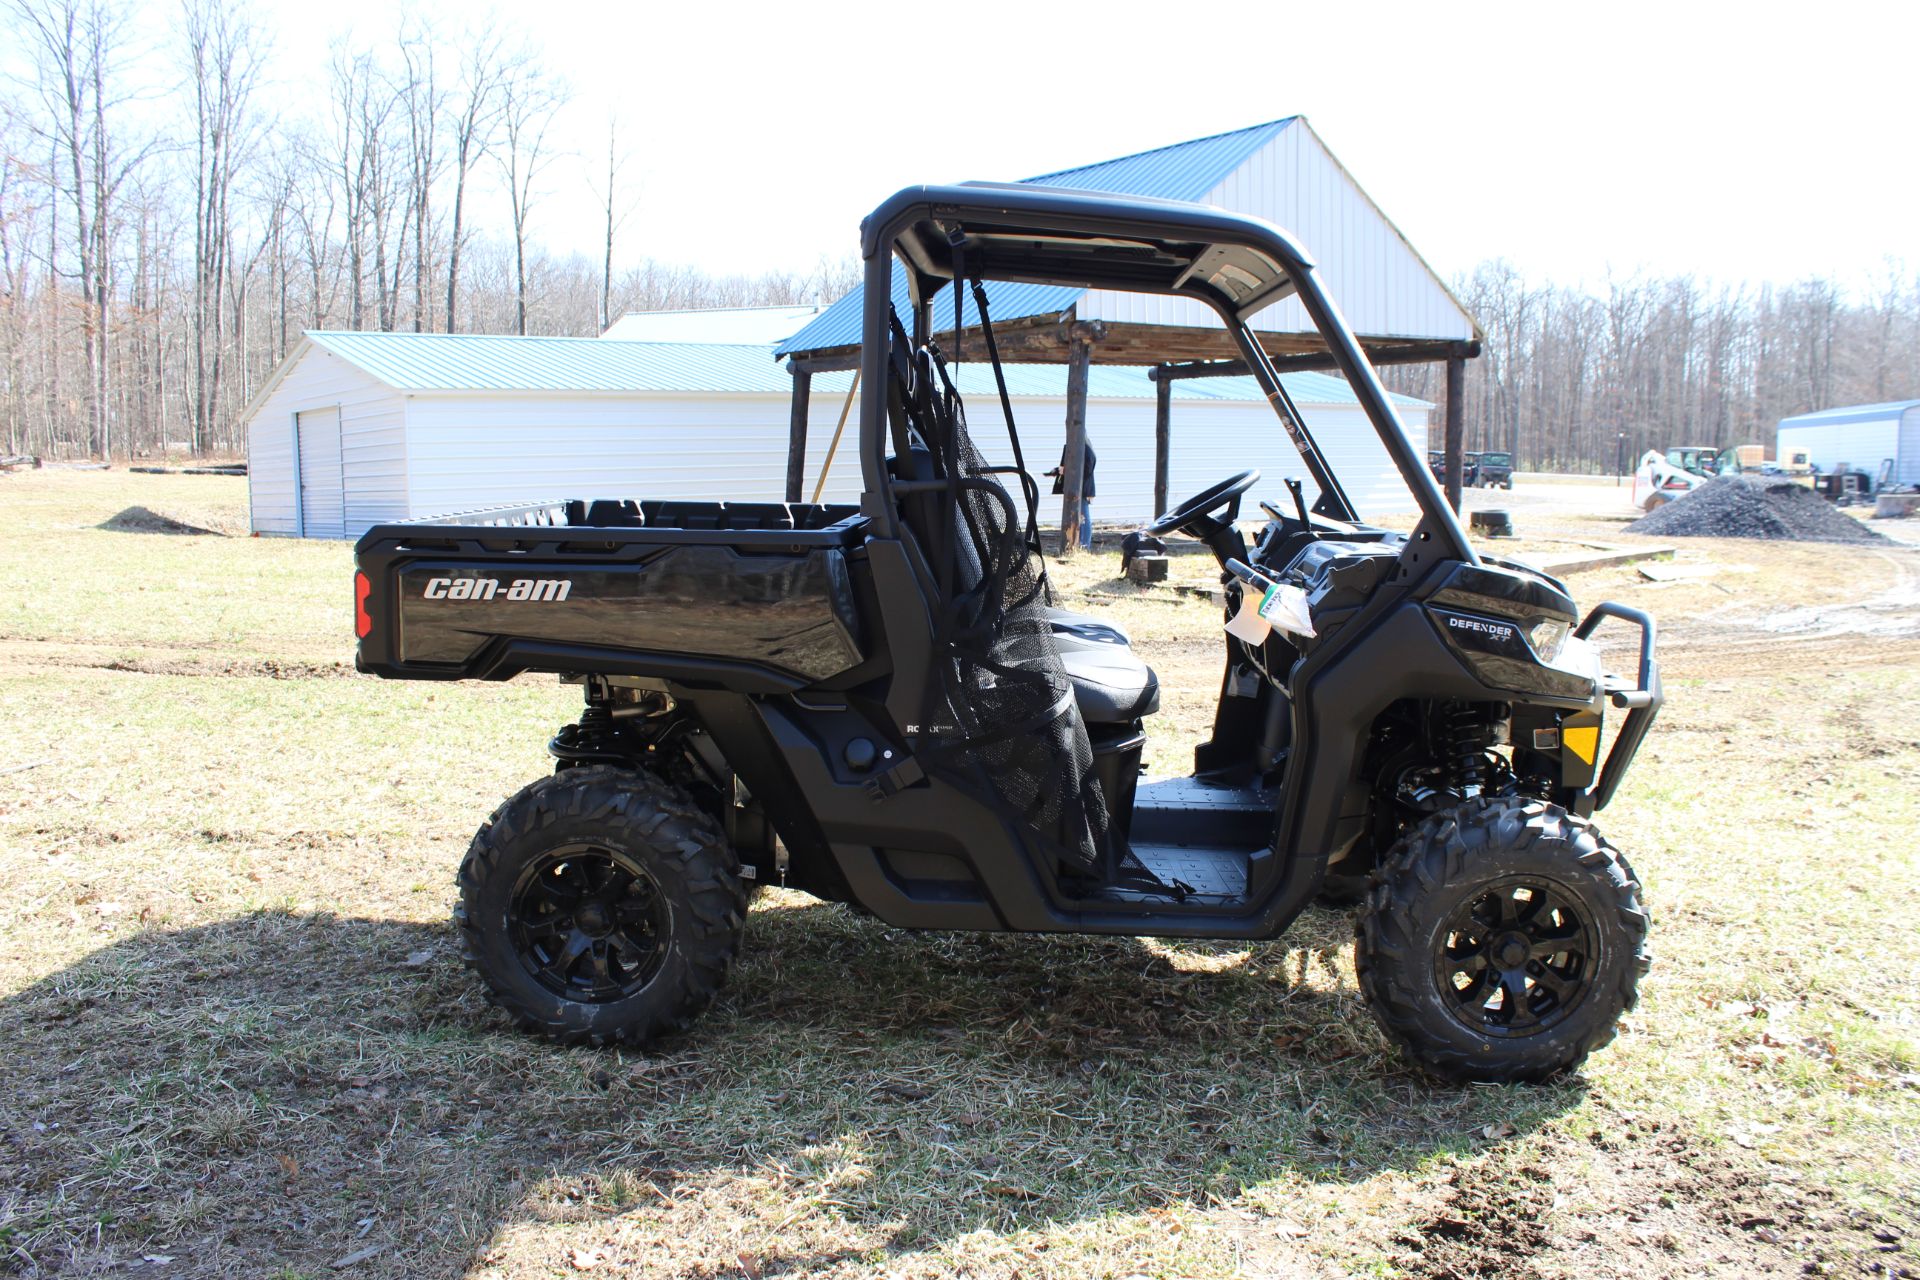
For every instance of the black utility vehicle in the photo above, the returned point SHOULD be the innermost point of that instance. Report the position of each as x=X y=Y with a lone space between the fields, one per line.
x=881 y=705
x=1492 y=470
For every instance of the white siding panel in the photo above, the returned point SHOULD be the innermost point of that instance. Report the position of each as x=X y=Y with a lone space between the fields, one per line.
x=1861 y=445
x=467 y=452
x=1906 y=464
x=1211 y=440
x=1376 y=279
x=371 y=481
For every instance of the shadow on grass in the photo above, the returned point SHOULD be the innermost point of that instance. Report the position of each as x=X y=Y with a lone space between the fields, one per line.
x=284 y=1091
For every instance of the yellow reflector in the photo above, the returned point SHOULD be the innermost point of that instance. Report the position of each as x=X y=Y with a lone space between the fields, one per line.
x=1582 y=740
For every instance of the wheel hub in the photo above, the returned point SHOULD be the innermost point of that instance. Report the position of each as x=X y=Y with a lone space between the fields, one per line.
x=589 y=923
x=1510 y=952
x=1516 y=958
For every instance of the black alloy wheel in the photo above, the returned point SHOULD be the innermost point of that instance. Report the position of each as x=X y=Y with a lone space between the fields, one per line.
x=1501 y=941
x=589 y=923
x=1516 y=958
x=601 y=905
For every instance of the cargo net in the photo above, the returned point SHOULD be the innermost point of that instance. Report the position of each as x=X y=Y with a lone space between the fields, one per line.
x=1001 y=715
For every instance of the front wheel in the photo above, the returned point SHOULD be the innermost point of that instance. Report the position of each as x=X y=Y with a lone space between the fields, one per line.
x=601 y=906
x=1502 y=942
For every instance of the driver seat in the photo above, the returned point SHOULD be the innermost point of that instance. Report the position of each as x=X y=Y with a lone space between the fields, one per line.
x=1111 y=685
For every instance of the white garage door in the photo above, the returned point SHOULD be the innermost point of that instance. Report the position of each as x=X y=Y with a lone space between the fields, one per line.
x=322 y=505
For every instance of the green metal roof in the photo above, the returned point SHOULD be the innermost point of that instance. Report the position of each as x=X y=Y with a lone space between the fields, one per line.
x=456 y=363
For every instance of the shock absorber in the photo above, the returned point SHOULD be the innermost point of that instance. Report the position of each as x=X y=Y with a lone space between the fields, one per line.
x=1465 y=736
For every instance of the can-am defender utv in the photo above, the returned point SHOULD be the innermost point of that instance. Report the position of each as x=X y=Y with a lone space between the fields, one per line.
x=882 y=706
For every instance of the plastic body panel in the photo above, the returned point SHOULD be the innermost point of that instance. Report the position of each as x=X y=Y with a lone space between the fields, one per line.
x=755 y=608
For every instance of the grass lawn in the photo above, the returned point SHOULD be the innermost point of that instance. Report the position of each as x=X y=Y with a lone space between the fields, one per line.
x=236 y=1040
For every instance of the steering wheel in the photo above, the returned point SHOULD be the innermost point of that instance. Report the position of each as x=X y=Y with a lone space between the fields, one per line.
x=1196 y=507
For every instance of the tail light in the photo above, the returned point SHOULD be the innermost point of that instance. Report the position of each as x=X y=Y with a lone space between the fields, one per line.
x=362 y=620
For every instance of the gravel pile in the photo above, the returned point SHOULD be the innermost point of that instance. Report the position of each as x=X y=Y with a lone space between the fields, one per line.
x=1738 y=507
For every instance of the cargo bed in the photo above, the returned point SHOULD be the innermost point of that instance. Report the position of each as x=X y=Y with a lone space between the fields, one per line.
x=759 y=592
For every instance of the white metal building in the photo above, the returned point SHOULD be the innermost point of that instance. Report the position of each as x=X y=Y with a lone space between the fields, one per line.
x=355 y=429
x=1859 y=436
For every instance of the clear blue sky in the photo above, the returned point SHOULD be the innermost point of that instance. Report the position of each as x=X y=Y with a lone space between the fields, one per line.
x=1753 y=141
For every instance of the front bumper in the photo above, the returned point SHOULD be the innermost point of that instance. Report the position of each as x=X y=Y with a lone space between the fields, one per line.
x=1640 y=696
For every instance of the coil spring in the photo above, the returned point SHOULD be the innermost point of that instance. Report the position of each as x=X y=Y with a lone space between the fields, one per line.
x=595 y=739
x=1465 y=737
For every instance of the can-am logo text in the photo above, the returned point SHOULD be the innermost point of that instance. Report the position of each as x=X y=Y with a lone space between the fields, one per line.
x=535 y=590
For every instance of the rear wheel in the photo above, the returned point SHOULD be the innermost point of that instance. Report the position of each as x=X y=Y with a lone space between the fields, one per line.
x=1502 y=941
x=601 y=905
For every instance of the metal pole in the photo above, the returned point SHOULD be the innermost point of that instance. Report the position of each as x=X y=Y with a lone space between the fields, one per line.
x=1162 y=441
x=1073 y=463
x=1456 y=439
x=797 y=433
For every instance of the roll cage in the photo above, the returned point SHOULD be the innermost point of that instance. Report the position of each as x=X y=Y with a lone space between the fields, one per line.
x=1234 y=264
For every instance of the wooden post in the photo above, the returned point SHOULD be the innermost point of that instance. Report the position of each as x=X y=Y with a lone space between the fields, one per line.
x=1073 y=462
x=1456 y=438
x=797 y=433
x=1162 y=440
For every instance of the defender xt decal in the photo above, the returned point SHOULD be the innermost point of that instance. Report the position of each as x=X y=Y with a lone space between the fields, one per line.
x=533 y=590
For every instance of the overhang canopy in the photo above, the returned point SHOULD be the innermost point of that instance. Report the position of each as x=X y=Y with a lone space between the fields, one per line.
x=1278 y=171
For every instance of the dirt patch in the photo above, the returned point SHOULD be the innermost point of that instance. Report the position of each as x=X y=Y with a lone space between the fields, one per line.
x=144 y=520
x=1736 y=507
x=267 y=668
x=1656 y=1203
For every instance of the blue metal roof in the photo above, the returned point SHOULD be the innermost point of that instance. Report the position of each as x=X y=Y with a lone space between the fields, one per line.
x=473 y=362
x=840 y=324
x=1184 y=171
x=1852 y=413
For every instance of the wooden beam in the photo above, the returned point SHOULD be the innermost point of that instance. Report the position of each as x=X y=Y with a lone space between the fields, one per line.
x=839 y=362
x=1073 y=460
x=797 y=433
x=1162 y=441
x=1456 y=436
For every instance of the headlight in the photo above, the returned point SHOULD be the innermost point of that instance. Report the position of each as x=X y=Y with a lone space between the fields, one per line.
x=1547 y=636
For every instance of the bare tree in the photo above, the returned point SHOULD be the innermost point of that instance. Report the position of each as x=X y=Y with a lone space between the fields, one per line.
x=223 y=61
x=422 y=101
x=485 y=69
x=617 y=209
x=73 y=45
x=528 y=102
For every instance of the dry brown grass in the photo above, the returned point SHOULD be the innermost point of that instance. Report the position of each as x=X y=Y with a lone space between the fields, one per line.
x=235 y=1034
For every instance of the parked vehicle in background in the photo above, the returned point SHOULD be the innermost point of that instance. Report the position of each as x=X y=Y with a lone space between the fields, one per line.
x=1701 y=459
x=1492 y=469
x=1437 y=463
x=1656 y=481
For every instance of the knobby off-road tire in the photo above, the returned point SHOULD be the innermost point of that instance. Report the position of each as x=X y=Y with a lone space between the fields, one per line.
x=601 y=906
x=1501 y=942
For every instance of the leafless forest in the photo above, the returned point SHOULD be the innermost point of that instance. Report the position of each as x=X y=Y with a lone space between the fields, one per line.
x=166 y=232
